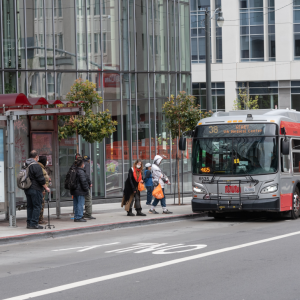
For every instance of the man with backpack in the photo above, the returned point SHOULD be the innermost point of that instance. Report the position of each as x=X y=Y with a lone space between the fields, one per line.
x=34 y=193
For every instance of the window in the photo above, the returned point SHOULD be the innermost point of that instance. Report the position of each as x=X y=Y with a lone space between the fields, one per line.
x=36 y=43
x=252 y=30
x=35 y=9
x=218 y=95
x=79 y=7
x=90 y=42
x=97 y=8
x=285 y=162
x=104 y=42
x=265 y=91
x=218 y=37
x=88 y=7
x=41 y=38
x=41 y=9
x=59 y=8
x=271 y=30
x=296 y=155
x=60 y=42
x=96 y=42
x=295 y=95
x=55 y=8
x=297 y=29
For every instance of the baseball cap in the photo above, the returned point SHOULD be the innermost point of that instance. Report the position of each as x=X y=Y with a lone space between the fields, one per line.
x=148 y=165
x=86 y=157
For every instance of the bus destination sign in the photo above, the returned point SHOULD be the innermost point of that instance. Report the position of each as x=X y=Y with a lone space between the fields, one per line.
x=235 y=130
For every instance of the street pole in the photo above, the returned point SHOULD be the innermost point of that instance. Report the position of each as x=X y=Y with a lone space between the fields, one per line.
x=208 y=66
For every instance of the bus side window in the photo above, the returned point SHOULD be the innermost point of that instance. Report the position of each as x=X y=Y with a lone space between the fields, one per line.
x=285 y=163
x=296 y=155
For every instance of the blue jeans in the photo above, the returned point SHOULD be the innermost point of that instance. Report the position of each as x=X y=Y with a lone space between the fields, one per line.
x=163 y=200
x=149 y=194
x=78 y=202
x=34 y=205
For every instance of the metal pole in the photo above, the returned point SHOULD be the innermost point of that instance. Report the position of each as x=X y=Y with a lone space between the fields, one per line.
x=11 y=167
x=208 y=66
x=175 y=177
x=182 y=177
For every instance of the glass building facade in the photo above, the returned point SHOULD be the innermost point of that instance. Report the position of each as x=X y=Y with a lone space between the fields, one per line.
x=137 y=52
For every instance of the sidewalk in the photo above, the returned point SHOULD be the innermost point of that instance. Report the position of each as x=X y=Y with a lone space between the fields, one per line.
x=108 y=216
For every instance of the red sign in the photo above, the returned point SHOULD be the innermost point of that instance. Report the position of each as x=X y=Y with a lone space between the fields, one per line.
x=291 y=128
x=231 y=189
x=111 y=80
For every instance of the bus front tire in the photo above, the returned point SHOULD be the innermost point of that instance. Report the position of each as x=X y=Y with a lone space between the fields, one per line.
x=296 y=205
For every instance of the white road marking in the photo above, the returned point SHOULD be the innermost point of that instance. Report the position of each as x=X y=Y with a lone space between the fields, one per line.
x=144 y=269
x=86 y=248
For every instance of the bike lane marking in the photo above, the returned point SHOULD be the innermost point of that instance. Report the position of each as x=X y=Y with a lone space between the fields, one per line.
x=144 y=269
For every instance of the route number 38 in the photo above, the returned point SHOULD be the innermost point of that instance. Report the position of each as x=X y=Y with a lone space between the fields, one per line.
x=213 y=129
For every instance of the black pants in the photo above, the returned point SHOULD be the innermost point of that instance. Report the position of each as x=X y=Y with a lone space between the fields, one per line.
x=137 y=200
x=34 y=206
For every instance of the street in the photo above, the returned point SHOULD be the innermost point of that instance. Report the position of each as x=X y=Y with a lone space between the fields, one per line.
x=191 y=259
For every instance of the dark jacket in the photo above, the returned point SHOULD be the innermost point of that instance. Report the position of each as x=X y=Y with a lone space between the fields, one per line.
x=36 y=175
x=87 y=167
x=82 y=186
x=130 y=186
x=148 y=178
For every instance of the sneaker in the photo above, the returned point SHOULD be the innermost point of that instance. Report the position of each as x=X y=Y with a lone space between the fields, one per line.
x=153 y=211
x=167 y=212
x=89 y=218
x=130 y=214
x=79 y=220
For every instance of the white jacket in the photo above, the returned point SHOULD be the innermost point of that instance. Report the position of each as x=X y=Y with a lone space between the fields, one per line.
x=157 y=175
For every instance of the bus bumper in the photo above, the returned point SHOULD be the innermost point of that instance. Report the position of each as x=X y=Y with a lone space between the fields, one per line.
x=272 y=204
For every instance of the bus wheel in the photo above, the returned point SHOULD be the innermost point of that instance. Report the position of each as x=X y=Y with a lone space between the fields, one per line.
x=296 y=205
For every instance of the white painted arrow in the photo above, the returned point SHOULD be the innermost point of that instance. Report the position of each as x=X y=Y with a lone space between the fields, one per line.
x=86 y=248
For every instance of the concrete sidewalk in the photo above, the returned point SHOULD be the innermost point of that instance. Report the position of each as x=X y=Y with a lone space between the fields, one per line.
x=108 y=216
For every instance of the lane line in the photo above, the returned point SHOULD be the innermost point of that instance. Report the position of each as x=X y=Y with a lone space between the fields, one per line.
x=144 y=269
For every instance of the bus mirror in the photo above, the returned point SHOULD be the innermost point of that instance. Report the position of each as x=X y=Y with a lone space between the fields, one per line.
x=285 y=147
x=182 y=144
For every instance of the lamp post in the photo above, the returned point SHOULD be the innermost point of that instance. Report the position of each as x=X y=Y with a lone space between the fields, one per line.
x=220 y=22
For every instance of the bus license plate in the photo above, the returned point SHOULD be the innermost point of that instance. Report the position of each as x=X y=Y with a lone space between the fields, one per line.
x=249 y=189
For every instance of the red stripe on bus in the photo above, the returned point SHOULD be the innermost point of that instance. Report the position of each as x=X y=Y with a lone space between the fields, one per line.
x=286 y=202
x=291 y=128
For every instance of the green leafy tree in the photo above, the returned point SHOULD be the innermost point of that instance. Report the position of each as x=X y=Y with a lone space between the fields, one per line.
x=182 y=115
x=92 y=126
x=244 y=101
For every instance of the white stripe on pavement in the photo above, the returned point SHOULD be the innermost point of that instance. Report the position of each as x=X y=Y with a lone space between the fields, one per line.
x=144 y=269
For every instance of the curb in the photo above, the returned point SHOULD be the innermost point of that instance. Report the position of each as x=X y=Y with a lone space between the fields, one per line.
x=94 y=228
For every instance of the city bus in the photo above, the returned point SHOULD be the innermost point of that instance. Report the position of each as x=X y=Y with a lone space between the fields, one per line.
x=247 y=161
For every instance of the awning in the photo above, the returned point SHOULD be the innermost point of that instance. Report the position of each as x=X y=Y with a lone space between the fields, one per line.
x=16 y=100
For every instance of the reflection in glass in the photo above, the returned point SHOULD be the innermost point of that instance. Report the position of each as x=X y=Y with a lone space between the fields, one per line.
x=142 y=86
x=10 y=82
x=81 y=35
x=124 y=36
x=141 y=35
x=151 y=36
x=63 y=84
x=113 y=157
x=49 y=34
x=8 y=34
x=127 y=136
x=143 y=130
x=36 y=84
x=161 y=85
x=131 y=35
x=184 y=31
x=21 y=34
x=111 y=86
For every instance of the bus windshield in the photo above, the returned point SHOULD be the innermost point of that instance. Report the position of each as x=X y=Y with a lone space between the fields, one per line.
x=236 y=155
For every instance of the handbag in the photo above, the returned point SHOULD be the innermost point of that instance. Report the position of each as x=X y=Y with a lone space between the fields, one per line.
x=158 y=192
x=141 y=187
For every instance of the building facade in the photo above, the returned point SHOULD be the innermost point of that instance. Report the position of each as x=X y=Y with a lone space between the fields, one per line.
x=257 y=48
x=137 y=52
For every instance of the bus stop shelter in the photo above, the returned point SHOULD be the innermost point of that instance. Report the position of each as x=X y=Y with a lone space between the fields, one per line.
x=13 y=107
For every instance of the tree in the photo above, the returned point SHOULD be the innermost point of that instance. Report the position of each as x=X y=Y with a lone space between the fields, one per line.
x=244 y=101
x=182 y=115
x=93 y=127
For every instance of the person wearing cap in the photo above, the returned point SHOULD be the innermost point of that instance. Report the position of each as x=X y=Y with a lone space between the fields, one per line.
x=148 y=183
x=88 y=198
x=159 y=178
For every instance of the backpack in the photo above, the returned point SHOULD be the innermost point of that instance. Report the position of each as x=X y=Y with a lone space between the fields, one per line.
x=23 y=180
x=71 y=179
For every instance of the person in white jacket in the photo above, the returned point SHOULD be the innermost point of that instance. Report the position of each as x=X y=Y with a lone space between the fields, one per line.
x=159 y=177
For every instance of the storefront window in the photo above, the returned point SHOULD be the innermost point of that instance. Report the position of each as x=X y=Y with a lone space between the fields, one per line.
x=113 y=149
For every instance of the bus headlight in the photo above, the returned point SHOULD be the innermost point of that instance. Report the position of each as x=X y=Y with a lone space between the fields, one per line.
x=199 y=190
x=269 y=189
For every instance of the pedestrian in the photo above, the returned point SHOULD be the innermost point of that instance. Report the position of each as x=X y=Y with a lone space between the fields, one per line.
x=131 y=192
x=43 y=162
x=88 y=198
x=159 y=178
x=81 y=190
x=148 y=183
x=34 y=194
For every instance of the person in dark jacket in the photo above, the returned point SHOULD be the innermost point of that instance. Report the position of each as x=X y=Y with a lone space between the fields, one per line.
x=82 y=189
x=148 y=183
x=34 y=194
x=88 y=197
x=131 y=192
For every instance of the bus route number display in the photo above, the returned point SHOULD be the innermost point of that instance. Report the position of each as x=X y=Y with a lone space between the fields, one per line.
x=236 y=129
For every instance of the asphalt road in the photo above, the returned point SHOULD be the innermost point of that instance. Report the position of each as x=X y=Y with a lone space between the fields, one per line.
x=193 y=259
